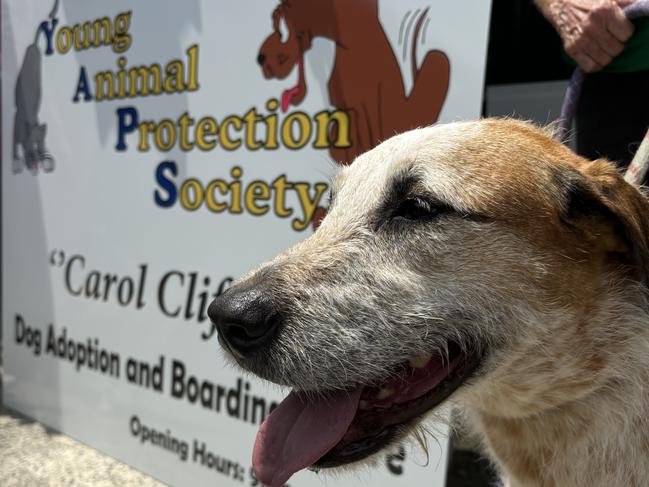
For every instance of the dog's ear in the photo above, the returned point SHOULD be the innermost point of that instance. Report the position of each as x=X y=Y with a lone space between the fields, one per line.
x=610 y=212
x=277 y=16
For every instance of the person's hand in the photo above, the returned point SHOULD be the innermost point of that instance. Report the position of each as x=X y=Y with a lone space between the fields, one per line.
x=593 y=31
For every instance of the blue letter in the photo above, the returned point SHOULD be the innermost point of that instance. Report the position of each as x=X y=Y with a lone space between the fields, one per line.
x=166 y=184
x=124 y=127
x=82 y=86
x=48 y=34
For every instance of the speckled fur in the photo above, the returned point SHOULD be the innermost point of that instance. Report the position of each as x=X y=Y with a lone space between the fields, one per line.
x=541 y=265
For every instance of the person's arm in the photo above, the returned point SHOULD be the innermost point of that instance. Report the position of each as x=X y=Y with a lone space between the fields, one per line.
x=593 y=31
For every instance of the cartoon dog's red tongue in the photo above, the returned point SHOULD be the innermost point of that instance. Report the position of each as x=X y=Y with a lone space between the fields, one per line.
x=299 y=432
x=287 y=96
x=295 y=95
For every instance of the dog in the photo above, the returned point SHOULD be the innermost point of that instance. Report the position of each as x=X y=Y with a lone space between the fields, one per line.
x=481 y=262
x=366 y=80
x=28 y=133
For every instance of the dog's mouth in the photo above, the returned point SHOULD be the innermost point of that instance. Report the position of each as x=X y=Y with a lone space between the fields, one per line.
x=295 y=95
x=341 y=427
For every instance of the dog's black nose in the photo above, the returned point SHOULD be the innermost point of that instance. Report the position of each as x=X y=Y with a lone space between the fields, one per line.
x=245 y=319
x=260 y=59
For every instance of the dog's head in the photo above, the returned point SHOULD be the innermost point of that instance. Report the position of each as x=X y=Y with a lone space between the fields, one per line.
x=284 y=48
x=478 y=259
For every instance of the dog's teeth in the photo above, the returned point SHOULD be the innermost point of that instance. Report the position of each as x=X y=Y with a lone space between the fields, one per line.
x=419 y=362
x=384 y=393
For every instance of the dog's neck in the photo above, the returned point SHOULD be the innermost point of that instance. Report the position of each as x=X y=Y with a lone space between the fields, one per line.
x=588 y=416
x=599 y=443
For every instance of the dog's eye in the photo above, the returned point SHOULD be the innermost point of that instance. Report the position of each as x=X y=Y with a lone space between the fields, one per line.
x=416 y=209
x=283 y=30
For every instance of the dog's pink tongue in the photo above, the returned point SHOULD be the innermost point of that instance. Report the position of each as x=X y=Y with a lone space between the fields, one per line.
x=299 y=432
x=287 y=97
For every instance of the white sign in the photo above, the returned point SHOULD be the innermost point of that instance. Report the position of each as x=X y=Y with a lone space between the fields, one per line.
x=152 y=153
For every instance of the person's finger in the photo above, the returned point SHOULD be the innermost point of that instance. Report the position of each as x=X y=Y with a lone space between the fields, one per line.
x=585 y=62
x=617 y=24
x=595 y=52
x=588 y=64
x=596 y=28
x=610 y=44
x=583 y=47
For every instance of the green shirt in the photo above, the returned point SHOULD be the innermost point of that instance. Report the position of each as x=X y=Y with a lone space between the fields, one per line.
x=635 y=56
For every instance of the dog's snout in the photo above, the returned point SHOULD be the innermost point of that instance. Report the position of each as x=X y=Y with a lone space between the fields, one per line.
x=245 y=319
x=260 y=59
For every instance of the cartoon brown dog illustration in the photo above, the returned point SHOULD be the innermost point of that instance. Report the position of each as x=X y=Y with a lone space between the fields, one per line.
x=366 y=80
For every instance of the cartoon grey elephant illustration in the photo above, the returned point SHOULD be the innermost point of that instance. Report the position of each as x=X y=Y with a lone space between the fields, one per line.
x=29 y=134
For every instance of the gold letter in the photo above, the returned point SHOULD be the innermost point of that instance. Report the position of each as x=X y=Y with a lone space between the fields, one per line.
x=174 y=77
x=280 y=186
x=100 y=78
x=144 y=129
x=257 y=190
x=64 y=32
x=224 y=136
x=144 y=75
x=210 y=201
x=342 y=129
x=235 y=188
x=183 y=124
x=304 y=127
x=206 y=127
x=251 y=119
x=271 y=125
x=195 y=185
x=121 y=38
x=101 y=26
x=192 y=55
x=160 y=142
x=308 y=206
x=80 y=44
